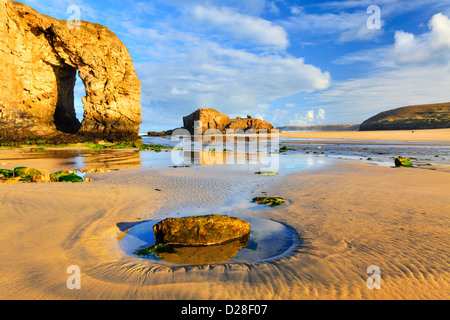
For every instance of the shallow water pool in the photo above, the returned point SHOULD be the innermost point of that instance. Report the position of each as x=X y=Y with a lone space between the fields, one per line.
x=268 y=240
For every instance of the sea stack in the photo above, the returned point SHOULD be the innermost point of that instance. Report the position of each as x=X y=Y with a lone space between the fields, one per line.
x=213 y=119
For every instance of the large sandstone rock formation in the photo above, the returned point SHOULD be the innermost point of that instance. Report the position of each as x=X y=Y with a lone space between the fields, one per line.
x=213 y=119
x=39 y=58
x=430 y=116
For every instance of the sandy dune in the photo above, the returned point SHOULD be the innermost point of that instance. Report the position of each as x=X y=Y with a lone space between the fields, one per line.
x=350 y=215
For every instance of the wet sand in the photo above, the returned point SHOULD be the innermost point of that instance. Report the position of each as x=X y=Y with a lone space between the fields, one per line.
x=350 y=216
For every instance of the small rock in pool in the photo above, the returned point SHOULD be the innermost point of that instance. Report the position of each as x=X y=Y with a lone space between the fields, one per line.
x=271 y=201
x=200 y=230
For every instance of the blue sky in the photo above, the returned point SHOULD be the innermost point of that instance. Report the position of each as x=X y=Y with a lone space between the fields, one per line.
x=287 y=62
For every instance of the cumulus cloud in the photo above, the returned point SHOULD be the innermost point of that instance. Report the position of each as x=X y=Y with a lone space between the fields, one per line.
x=309 y=119
x=440 y=37
x=431 y=47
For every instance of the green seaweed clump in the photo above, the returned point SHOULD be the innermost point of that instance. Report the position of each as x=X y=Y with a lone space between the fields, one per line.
x=271 y=201
x=71 y=178
x=266 y=173
x=284 y=149
x=157 y=248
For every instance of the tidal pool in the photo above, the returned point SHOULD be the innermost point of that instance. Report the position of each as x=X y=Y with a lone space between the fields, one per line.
x=268 y=240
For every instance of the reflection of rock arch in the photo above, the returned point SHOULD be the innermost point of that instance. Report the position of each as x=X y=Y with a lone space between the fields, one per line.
x=41 y=56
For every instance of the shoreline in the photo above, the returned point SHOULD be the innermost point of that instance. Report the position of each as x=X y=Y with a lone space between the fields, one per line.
x=441 y=135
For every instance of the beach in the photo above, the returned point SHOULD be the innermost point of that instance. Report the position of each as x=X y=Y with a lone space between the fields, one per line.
x=393 y=135
x=350 y=215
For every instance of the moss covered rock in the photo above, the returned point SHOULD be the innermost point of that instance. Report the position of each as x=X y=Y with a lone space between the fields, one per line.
x=271 y=201
x=200 y=230
x=54 y=177
x=6 y=174
x=266 y=173
x=26 y=173
x=71 y=178
x=403 y=162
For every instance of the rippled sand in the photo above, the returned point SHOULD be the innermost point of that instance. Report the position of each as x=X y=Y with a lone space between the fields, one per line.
x=350 y=215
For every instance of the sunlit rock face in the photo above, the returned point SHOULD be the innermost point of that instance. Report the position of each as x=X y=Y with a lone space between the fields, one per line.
x=200 y=230
x=212 y=119
x=40 y=57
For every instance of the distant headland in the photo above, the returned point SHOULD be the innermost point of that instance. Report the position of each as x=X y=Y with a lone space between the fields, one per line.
x=428 y=116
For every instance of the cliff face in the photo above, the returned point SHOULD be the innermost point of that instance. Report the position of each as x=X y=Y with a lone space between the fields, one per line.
x=39 y=58
x=213 y=119
x=431 y=116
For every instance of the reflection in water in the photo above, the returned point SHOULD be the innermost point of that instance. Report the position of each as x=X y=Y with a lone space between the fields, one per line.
x=207 y=158
x=202 y=254
x=75 y=159
x=51 y=160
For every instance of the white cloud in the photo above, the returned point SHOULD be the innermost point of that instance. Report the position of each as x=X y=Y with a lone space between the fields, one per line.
x=232 y=81
x=339 y=27
x=321 y=114
x=273 y=8
x=309 y=119
x=429 y=48
x=296 y=10
x=246 y=28
x=407 y=49
x=290 y=105
x=440 y=37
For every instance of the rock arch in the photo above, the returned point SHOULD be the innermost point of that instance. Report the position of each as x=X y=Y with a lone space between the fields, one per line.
x=40 y=57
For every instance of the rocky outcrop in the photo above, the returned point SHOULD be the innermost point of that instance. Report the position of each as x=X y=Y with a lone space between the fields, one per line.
x=40 y=57
x=200 y=230
x=430 y=116
x=210 y=118
x=250 y=124
x=213 y=119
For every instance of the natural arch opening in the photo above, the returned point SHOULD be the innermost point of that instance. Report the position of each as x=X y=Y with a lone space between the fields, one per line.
x=80 y=92
x=65 y=117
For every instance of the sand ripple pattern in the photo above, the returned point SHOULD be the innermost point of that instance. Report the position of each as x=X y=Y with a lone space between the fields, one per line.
x=349 y=215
